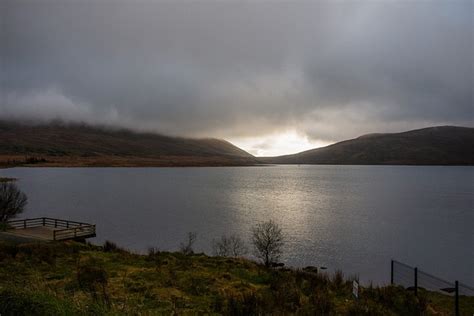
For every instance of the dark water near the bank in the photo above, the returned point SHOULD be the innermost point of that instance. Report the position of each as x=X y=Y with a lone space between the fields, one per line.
x=355 y=218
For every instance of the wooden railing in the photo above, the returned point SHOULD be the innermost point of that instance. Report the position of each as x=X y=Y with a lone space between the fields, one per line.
x=63 y=229
x=73 y=233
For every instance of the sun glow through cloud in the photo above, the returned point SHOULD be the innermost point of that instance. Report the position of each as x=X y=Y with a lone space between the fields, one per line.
x=288 y=142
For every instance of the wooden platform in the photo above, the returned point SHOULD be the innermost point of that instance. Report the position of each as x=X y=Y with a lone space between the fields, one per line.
x=45 y=228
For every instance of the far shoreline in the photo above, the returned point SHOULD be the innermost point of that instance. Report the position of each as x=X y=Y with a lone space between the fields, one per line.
x=102 y=161
x=137 y=165
x=39 y=161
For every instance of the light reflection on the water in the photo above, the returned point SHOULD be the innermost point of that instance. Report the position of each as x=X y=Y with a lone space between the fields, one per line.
x=355 y=218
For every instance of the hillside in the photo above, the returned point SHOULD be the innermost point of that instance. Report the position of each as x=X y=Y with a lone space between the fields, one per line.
x=444 y=145
x=81 y=145
x=82 y=279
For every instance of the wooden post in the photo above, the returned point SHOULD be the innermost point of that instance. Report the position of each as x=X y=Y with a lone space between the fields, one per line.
x=43 y=221
x=24 y=223
x=416 y=281
x=391 y=272
x=456 y=298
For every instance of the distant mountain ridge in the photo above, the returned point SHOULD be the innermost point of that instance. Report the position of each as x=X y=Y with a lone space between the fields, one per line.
x=79 y=144
x=441 y=145
x=59 y=144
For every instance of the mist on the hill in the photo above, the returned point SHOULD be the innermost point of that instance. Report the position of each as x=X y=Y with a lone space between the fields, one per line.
x=323 y=70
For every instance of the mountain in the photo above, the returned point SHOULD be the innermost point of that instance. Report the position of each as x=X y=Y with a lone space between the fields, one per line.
x=443 y=145
x=58 y=144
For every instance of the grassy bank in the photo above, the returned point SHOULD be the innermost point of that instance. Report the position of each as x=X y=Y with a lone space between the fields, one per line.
x=73 y=278
x=10 y=161
x=2 y=180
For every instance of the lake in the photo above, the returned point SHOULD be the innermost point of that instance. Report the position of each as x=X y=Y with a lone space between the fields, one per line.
x=354 y=218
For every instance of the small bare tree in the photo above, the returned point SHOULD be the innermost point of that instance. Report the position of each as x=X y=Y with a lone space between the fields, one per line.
x=229 y=246
x=12 y=201
x=268 y=241
x=187 y=247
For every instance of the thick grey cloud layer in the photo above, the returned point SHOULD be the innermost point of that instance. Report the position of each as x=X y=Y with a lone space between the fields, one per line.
x=330 y=70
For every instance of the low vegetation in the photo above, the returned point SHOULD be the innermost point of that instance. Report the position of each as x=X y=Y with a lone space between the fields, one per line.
x=72 y=278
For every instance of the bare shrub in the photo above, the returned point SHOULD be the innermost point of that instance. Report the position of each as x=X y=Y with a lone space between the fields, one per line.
x=12 y=201
x=187 y=247
x=229 y=246
x=153 y=252
x=268 y=241
x=338 y=279
x=110 y=246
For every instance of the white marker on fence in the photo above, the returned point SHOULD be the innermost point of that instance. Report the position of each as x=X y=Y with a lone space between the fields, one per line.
x=355 y=289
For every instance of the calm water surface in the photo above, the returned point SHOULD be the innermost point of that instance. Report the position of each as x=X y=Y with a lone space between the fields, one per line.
x=354 y=218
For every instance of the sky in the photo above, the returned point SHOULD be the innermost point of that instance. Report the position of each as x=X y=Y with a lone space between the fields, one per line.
x=273 y=77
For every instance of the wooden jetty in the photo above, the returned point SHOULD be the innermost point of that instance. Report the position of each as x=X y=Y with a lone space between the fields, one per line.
x=46 y=228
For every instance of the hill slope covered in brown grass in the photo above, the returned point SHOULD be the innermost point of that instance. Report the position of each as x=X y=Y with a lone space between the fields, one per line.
x=443 y=145
x=60 y=144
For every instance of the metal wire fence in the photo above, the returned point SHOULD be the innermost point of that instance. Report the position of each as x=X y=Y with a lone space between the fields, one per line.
x=414 y=279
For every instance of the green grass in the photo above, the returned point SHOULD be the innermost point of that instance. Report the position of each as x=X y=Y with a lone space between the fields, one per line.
x=73 y=278
x=7 y=179
x=4 y=226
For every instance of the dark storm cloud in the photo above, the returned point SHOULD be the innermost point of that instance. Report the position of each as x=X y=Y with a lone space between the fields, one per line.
x=330 y=70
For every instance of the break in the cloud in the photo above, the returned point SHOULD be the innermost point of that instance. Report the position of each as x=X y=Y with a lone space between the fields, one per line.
x=244 y=71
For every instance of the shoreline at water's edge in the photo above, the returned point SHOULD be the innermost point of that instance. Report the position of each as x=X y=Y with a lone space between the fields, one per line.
x=182 y=164
x=177 y=165
x=11 y=161
x=65 y=166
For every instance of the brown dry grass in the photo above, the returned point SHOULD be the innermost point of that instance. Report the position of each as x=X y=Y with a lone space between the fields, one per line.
x=121 y=161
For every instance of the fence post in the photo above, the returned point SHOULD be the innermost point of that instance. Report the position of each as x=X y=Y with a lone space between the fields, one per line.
x=43 y=221
x=456 y=298
x=391 y=272
x=416 y=281
x=24 y=223
x=55 y=223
